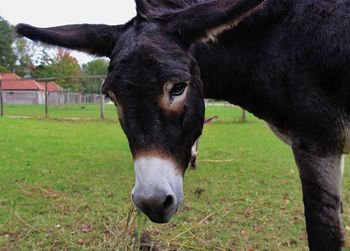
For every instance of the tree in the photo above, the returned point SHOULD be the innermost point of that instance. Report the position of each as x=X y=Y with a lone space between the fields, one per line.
x=64 y=67
x=7 y=56
x=43 y=57
x=4 y=69
x=95 y=67
x=24 y=51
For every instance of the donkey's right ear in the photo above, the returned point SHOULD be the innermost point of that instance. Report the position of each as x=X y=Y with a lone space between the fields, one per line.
x=210 y=18
x=94 y=39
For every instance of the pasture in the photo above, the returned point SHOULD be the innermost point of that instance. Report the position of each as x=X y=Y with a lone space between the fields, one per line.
x=82 y=112
x=65 y=185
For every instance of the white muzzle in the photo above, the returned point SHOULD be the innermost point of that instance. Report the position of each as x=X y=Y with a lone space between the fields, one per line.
x=158 y=189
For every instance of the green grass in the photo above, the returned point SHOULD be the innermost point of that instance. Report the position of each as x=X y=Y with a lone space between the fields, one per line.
x=92 y=112
x=83 y=111
x=66 y=185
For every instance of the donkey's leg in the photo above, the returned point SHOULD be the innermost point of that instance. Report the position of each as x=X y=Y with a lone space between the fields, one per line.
x=320 y=173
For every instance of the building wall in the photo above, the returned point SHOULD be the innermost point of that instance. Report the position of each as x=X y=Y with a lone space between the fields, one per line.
x=23 y=97
x=54 y=98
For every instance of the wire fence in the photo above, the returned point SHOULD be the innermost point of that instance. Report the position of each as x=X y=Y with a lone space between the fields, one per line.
x=54 y=97
x=43 y=98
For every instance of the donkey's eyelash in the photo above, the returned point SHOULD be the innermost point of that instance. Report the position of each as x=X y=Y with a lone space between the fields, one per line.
x=178 y=89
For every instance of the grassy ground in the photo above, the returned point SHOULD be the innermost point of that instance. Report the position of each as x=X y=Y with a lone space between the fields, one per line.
x=83 y=111
x=66 y=185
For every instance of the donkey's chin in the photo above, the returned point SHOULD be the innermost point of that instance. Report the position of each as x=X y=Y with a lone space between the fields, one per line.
x=158 y=189
x=161 y=219
x=157 y=216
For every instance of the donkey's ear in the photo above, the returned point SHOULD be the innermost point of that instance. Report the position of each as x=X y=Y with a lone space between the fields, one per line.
x=94 y=39
x=206 y=20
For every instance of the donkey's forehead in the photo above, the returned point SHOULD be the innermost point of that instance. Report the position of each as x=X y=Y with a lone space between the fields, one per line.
x=145 y=57
x=143 y=69
x=149 y=56
x=150 y=38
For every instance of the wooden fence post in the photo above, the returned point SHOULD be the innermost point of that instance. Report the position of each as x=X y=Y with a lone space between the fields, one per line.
x=1 y=101
x=46 y=101
x=243 y=115
x=102 y=101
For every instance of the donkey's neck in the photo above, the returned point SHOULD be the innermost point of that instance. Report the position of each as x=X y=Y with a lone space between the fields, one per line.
x=231 y=66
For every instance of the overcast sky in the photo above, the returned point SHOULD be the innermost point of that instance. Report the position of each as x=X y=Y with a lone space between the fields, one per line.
x=45 y=13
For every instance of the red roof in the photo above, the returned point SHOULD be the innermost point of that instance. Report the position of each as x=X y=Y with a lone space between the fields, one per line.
x=51 y=86
x=30 y=85
x=9 y=76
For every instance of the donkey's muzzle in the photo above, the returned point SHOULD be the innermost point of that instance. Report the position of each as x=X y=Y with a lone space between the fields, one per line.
x=159 y=208
x=158 y=188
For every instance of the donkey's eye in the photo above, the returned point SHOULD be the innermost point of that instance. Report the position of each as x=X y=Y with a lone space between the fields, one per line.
x=177 y=89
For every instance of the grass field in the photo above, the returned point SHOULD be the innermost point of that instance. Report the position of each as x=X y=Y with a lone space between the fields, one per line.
x=65 y=185
x=83 y=111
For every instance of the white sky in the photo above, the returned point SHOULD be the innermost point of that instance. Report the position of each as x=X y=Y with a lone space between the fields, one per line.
x=46 y=13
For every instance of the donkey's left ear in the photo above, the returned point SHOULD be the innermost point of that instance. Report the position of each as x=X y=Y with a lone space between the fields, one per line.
x=206 y=20
x=94 y=39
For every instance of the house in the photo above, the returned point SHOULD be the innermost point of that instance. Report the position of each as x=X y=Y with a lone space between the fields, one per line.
x=21 y=91
x=56 y=93
x=18 y=91
x=52 y=86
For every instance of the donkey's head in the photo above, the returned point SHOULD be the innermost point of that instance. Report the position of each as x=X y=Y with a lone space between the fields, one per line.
x=155 y=84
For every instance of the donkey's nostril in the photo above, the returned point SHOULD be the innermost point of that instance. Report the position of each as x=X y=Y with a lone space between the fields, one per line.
x=168 y=201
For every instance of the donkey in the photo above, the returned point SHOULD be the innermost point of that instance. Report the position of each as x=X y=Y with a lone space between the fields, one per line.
x=286 y=61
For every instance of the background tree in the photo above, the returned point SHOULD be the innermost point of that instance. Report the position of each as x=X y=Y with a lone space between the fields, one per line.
x=63 y=66
x=24 y=51
x=3 y=69
x=7 y=56
x=94 y=68
x=43 y=57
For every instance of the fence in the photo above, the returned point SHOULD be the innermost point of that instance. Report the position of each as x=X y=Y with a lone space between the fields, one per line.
x=54 y=97
x=24 y=97
x=44 y=102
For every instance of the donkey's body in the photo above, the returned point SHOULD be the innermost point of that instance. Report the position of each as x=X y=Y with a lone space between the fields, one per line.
x=286 y=61
x=290 y=66
x=284 y=65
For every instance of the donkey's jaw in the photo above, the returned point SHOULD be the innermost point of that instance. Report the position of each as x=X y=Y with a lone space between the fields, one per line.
x=158 y=188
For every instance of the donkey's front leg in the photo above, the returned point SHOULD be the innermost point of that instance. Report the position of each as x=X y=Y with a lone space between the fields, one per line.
x=320 y=174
